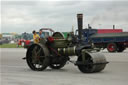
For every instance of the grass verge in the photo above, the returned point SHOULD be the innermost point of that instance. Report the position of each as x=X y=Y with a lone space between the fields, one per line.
x=10 y=46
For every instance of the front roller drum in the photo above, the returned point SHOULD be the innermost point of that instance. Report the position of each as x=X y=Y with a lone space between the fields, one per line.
x=91 y=62
x=37 y=57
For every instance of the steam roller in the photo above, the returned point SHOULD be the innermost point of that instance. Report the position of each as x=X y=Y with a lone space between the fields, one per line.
x=54 y=51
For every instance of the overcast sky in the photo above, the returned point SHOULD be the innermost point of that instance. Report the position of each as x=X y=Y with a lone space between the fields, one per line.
x=25 y=16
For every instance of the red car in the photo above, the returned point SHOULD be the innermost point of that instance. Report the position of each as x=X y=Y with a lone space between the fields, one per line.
x=24 y=42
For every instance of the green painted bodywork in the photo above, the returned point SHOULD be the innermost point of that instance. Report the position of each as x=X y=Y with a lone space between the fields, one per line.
x=60 y=43
x=65 y=34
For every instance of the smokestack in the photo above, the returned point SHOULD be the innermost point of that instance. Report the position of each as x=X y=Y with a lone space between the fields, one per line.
x=113 y=26
x=80 y=24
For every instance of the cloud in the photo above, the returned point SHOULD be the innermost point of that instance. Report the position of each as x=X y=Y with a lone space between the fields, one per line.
x=113 y=13
x=21 y=16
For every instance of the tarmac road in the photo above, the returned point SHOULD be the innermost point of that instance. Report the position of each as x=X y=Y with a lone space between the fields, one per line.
x=14 y=71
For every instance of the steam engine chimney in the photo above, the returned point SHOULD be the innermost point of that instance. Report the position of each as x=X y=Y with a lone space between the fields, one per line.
x=80 y=25
x=113 y=26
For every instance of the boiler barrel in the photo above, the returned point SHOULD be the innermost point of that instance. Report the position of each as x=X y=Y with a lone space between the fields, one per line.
x=70 y=51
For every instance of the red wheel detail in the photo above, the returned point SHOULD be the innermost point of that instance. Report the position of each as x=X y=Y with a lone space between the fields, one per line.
x=27 y=42
x=111 y=47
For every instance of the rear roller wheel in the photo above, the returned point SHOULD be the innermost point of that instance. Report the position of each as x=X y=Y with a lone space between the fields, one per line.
x=36 y=58
x=93 y=63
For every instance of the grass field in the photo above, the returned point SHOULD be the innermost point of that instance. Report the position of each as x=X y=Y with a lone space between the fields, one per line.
x=10 y=46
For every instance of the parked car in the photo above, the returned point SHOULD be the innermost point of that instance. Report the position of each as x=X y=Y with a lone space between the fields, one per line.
x=4 y=41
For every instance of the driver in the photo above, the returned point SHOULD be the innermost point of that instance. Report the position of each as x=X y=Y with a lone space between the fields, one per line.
x=41 y=34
